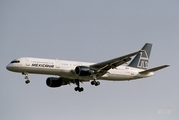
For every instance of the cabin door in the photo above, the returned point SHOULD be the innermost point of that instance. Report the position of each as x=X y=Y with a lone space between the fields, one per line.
x=27 y=62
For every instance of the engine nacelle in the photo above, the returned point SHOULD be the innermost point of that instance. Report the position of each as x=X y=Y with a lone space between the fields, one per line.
x=55 y=82
x=83 y=71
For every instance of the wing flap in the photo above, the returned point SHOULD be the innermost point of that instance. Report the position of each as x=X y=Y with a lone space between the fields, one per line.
x=154 y=69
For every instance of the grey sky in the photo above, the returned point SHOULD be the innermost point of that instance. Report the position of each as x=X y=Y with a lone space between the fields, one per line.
x=91 y=31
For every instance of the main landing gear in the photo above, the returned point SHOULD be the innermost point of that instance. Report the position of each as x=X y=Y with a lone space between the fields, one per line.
x=78 y=88
x=94 y=82
x=26 y=77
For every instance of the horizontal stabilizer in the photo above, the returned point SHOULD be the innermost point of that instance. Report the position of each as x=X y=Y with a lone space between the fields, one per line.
x=154 y=69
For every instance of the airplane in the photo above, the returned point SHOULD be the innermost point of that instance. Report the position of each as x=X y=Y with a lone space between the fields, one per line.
x=67 y=72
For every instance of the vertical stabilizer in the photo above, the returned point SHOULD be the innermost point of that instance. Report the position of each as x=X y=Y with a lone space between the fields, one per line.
x=142 y=59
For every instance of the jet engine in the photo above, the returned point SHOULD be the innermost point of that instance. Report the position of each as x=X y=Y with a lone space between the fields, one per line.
x=83 y=71
x=55 y=82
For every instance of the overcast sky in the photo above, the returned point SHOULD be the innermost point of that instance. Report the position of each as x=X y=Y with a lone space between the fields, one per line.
x=92 y=31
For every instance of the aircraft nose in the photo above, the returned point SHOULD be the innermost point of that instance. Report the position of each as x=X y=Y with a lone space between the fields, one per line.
x=8 y=67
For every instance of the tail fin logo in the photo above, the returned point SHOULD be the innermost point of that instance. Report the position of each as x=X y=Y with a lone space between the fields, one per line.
x=143 y=61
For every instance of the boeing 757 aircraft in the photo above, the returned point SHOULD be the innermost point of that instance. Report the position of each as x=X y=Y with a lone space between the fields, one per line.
x=68 y=72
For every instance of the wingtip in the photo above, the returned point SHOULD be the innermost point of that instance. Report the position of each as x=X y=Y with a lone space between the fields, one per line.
x=167 y=65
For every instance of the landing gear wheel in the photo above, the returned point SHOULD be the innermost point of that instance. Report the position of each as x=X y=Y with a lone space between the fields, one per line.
x=27 y=81
x=97 y=83
x=76 y=88
x=93 y=82
x=79 y=89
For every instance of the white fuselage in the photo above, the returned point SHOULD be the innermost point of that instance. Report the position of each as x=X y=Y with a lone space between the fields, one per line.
x=66 y=69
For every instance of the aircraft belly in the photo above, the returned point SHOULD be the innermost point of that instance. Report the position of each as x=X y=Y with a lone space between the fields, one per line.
x=116 y=77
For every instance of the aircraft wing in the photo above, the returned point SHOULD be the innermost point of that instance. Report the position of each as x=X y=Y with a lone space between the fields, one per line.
x=103 y=67
x=153 y=69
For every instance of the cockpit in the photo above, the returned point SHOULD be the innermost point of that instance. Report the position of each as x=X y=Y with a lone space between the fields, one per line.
x=12 y=66
x=15 y=61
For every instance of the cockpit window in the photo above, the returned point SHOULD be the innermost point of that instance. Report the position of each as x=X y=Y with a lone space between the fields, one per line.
x=15 y=61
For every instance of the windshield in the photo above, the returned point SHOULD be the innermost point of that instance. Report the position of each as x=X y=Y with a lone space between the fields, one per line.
x=15 y=61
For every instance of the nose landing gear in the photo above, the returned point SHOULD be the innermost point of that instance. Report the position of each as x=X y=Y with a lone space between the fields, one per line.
x=26 y=77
